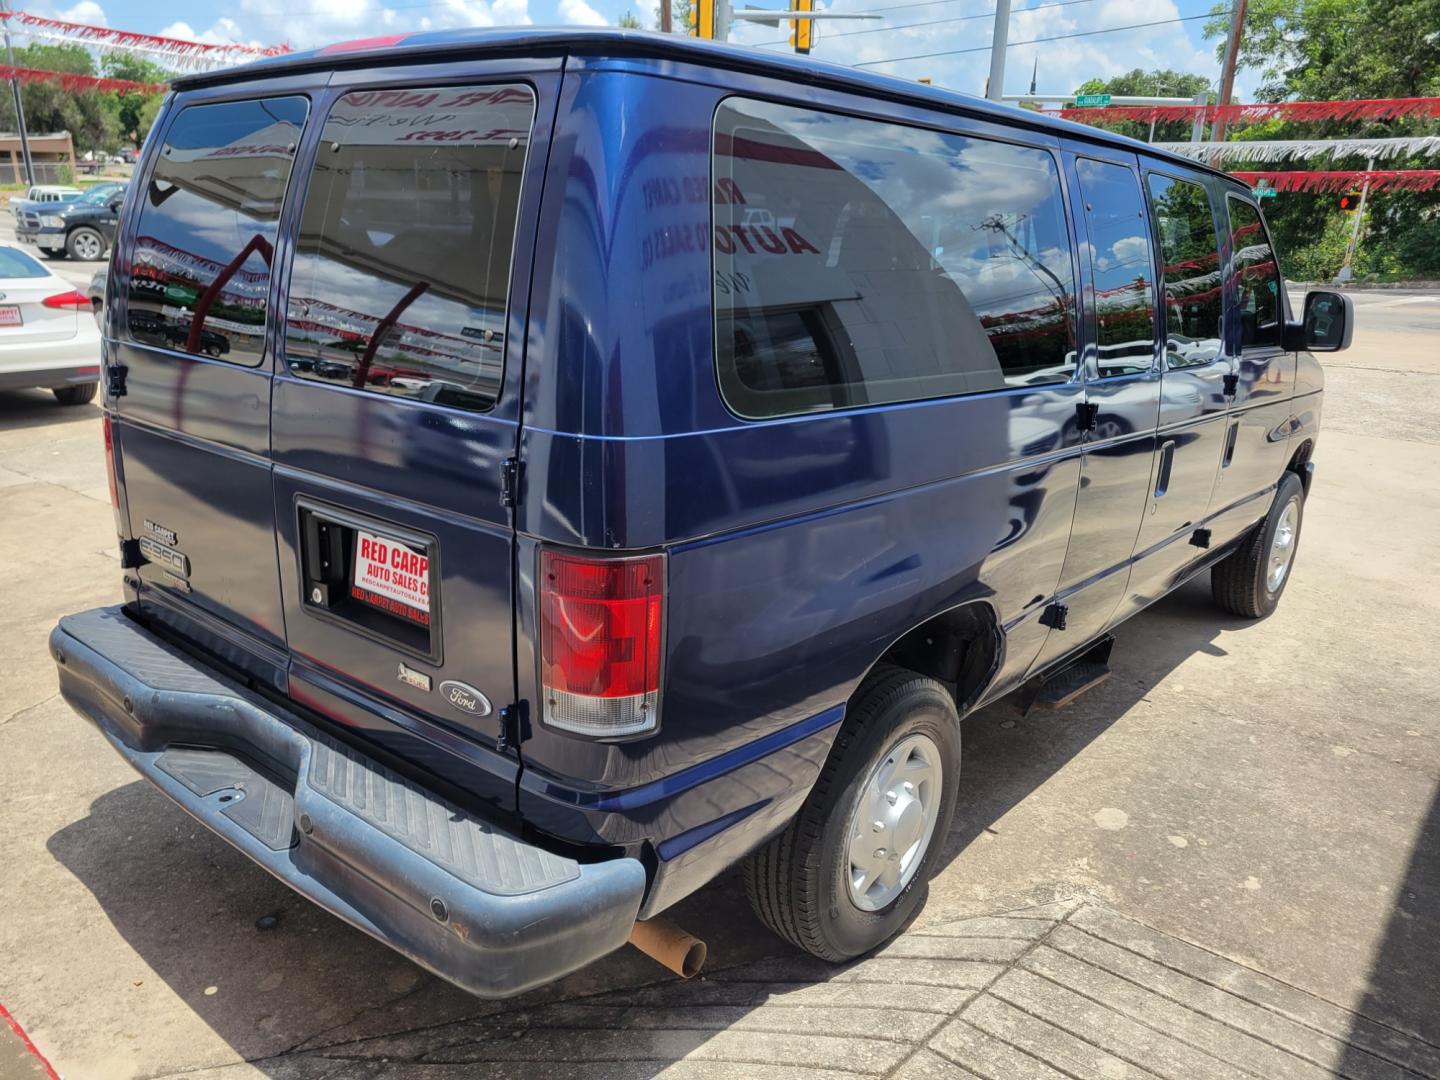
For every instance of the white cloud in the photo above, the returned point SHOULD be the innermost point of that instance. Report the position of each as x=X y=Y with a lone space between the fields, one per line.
x=86 y=11
x=579 y=13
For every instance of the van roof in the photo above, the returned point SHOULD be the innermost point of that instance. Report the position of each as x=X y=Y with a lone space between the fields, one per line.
x=454 y=44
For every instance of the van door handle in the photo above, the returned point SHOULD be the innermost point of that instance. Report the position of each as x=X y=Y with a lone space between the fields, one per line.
x=1230 y=437
x=1162 y=476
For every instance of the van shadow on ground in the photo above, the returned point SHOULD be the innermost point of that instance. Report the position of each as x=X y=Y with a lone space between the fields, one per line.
x=187 y=903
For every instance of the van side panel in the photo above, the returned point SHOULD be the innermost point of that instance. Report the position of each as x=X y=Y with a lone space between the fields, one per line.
x=799 y=548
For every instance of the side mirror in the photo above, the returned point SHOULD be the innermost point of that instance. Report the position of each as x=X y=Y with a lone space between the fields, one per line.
x=116 y=202
x=1328 y=325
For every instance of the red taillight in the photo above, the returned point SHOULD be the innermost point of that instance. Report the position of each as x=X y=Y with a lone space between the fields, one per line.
x=71 y=299
x=110 y=460
x=600 y=628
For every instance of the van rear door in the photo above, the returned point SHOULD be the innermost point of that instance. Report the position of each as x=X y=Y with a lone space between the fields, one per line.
x=187 y=348
x=395 y=410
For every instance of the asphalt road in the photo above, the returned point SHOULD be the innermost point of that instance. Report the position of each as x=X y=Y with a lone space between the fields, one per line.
x=1266 y=791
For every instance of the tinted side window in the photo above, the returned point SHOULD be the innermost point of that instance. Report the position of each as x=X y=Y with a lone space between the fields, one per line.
x=1191 y=254
x=1257 y=277
x=858 y=262
x=200 y=269
x=402 y=265
x=1122 y=267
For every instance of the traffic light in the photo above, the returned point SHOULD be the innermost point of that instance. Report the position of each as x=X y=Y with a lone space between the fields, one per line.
x=1350 y=201
x=802 y=31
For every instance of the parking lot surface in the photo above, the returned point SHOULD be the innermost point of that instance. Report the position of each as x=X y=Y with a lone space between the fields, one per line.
x=1225 y=861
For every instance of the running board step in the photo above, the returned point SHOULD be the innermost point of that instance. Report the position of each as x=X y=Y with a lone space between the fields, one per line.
x=1069 y=683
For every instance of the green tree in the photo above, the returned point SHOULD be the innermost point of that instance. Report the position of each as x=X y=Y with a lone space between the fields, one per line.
x=681 y=12
x=1338 y=50
x=628 y=21
x=129 y=107
x=1140 y=83
x=49 y=107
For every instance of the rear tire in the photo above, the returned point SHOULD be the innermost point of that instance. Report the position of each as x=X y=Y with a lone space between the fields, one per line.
x=78 y=394
x=1245 y=582
x=803 y=883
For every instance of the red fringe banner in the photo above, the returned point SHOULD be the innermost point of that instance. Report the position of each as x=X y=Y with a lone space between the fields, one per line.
x=105 y=37
x=1326 y=182
x=73 y=83
x=1303 y=111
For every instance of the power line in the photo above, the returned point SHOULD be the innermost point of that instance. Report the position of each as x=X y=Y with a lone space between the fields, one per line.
x=1037 y=41
x=930 y=22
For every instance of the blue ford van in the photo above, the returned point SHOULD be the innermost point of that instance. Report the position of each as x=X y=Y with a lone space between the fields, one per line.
x=552 y=467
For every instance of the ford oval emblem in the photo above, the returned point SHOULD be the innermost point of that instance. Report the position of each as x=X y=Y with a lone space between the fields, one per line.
x=465 y=698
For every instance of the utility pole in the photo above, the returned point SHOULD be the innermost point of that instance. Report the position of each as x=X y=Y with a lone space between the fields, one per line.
x=19 y=107
x=995 y=88
x=1227 y=69
x=665 y=16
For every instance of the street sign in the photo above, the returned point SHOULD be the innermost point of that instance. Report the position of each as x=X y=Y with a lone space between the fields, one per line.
x=1092 y=100
x=1264 y=190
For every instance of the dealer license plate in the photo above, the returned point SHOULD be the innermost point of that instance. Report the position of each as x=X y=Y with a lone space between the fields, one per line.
x=391 y=576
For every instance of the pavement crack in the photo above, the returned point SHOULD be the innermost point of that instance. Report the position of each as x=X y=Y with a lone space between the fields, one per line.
x=18 y=713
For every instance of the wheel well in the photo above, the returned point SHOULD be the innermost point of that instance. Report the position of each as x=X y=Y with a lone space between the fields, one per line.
x=1299 y=460
x=959 y=647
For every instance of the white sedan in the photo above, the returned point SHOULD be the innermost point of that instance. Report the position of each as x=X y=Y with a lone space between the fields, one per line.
x=48 y=336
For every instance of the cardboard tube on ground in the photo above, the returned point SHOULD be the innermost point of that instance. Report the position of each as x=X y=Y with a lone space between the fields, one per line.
x=667 y=944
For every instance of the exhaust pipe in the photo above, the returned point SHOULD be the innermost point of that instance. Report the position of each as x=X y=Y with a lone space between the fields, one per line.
x=666 y=943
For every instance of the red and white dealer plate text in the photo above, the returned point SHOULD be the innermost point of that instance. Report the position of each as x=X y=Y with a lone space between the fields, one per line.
x=391 y=576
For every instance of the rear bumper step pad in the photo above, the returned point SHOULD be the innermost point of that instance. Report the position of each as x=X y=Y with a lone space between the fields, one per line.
x=470 y=902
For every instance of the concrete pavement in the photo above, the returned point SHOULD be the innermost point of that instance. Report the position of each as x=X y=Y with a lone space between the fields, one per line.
x=1264 y=791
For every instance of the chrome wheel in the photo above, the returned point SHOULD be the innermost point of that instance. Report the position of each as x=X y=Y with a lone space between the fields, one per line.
x=87 y=246
x=894 y=822
x=1282 y=546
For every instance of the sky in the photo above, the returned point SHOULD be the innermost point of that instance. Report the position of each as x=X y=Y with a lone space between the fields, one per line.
x=951 y=25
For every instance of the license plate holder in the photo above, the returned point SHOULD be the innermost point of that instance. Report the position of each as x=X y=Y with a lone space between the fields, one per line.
x=10 y=315
x=375 y=578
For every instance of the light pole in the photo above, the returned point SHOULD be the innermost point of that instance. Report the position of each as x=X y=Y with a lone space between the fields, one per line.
x=995 y=88
x=19 y=107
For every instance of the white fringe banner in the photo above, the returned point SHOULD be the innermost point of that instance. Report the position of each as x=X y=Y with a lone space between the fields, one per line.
x=1305 y=149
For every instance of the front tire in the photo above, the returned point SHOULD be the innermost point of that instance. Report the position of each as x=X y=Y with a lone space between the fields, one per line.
x=85 y=244
x=852 y=868
x=1250 y=580
x=78 y=394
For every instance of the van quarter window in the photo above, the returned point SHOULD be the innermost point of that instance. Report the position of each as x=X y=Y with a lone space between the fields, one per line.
x=1257 y=277
x=200 y=263
x=1122 y=267
x=402 y=265
x=859 y=262
x=1191 y=254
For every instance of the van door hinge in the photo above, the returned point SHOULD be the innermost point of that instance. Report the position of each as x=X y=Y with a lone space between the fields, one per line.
x=509 y=482
x=1231 y=384
x=130 y=556
x=115 y=380
x=1054 y=616
x=514 y=726
x=1087 y=415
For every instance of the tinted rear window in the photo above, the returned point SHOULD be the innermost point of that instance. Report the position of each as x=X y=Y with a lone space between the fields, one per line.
x=200 y=263
x=17 y=264
x=859 y=262
x=402 y=266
